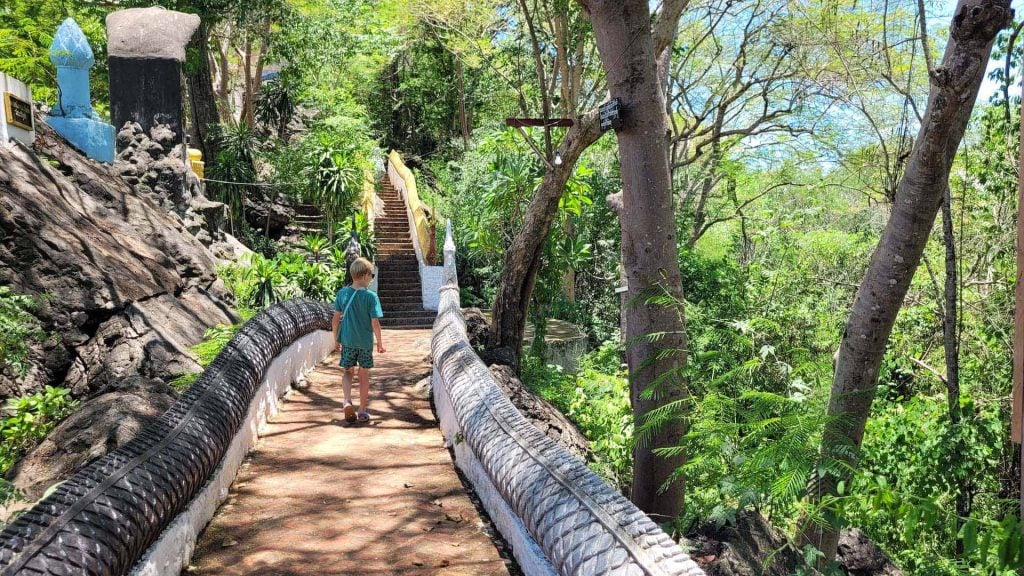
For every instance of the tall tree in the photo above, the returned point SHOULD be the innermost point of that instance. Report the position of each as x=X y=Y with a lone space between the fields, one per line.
x=201 y=98
x=555 y=73
x=655 y=336
x=954 y=89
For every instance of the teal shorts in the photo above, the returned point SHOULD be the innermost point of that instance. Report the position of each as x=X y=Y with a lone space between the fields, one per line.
x=352 y=356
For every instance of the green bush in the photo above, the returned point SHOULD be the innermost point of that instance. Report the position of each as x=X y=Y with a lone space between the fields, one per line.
x=597 y=401
x=28 y=419
x=18 y=329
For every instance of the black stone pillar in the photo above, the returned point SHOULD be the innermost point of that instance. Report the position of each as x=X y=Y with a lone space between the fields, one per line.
x=147 y=91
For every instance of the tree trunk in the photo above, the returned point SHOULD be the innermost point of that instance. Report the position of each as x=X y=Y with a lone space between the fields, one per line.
x=460 y=76
x=202 y=101
x=257 y=82
x=224 y=74
x=649 y=244
x=951 y=347
x=954 y=89
x=522 y=261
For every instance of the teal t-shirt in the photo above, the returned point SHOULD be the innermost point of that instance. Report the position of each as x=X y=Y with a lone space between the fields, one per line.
x=356 y=331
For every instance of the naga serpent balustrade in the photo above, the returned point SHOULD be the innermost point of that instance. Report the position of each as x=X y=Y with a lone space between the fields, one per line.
x=103 y=519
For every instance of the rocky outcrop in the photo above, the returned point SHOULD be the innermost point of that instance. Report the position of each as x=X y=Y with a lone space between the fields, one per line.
x=155 y=33
x=153 y=164
x=123 y=287
x=477 y=328
x=269 y=217
x=97 y=427
x=542 y=413
x=743 y=548
x=859 y=556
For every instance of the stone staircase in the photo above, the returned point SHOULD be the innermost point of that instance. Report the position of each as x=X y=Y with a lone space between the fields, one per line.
x=398 y=276
x=308 y=220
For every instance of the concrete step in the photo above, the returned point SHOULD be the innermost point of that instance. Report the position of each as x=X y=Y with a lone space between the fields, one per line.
x=391 y=308
x=411 y=279
x=414 y=314
x=399 y=325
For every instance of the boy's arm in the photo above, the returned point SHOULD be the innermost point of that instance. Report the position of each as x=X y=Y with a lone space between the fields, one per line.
x=335 y=323
x=376 y=332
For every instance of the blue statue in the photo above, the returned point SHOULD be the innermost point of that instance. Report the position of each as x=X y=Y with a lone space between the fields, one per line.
x=73 y=116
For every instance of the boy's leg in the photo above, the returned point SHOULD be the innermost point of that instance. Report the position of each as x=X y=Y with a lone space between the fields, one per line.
x=364 y=388
x=346 y=384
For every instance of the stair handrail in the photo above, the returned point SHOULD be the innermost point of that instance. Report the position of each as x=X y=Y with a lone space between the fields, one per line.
x=102 y=520
x=560 y=517
x=405 y=182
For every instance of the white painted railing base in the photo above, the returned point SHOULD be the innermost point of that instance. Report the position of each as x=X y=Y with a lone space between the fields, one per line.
x=170 y=554
x=527 y=553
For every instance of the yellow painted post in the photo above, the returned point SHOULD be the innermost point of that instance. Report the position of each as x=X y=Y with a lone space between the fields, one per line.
x=195 y=159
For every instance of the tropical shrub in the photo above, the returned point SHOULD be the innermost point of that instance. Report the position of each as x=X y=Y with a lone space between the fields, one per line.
x=597 y=400
x=28 y=419
x=18 y=330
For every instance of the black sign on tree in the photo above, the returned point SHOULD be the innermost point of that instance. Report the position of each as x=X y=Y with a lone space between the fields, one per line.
x=609 y=115
x=19 y=112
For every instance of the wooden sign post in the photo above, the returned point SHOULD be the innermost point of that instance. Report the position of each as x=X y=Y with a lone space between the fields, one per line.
x=545 y=123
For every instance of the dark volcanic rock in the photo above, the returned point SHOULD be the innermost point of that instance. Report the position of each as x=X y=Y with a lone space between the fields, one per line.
x=97 y=427
x=477 y=328
x=741 y=549
x=123 y=287
x=859 y=556
x=544 y=416
x=267 y=216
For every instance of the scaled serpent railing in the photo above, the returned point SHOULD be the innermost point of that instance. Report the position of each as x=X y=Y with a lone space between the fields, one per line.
x=104 y=518
x=580 y=524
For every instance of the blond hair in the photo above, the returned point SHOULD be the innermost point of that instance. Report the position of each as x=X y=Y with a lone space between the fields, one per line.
x=360 y=267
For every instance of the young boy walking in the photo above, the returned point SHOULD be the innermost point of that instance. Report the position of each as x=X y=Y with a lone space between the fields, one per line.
x=356 y=313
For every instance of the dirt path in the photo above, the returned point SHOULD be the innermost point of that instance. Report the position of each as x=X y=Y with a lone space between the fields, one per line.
x=318 y=496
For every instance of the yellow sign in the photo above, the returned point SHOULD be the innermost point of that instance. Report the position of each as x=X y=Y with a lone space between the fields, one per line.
x=19 y=112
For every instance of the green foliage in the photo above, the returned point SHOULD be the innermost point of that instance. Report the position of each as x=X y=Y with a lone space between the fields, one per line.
x=275 y=105
x=206 y=351
x=18 y=330
x=235 y=163
x=597 y=401
x=27 y=28
x=260 y=282
x=316 y=245
x=28 y=419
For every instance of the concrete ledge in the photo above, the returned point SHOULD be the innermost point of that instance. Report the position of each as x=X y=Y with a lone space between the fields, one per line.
x=171 y=553
x=431 y=279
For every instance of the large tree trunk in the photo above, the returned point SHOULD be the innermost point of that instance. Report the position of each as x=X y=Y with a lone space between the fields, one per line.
x=523 y=259
x=649 y=244
x=880 y=295
x=202 y=101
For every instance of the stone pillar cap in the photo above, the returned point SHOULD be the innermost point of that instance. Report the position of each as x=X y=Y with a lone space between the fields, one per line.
x=70 y=48
x=150 y=33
